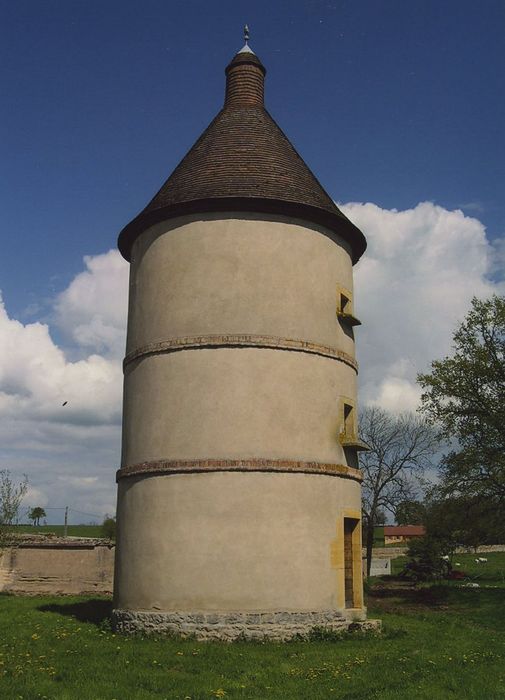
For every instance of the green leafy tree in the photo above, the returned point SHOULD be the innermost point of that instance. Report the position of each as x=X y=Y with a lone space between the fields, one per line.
x=465 y=395
x=428 y=558
x=109 y=528
x=468 y=521
x=400 y=448
x=410 y=512
x=36 y=514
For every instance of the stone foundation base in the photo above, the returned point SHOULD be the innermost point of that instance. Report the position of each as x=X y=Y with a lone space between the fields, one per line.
x=230 y=626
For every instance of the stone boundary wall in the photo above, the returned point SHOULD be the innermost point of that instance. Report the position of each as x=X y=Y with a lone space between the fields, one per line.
x=58 y=566
x=394 y=552
x=387 y=552
x=482 y=549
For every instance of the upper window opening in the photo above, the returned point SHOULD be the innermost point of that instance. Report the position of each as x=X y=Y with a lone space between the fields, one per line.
x=344 y=308
x=348 y=426
x=345 y=304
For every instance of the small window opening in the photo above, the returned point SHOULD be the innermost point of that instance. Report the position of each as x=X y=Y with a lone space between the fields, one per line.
x=348 y=426
x=345 y=310
x=348 y=437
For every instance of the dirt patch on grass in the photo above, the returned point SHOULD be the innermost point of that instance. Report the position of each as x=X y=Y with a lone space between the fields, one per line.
x=398 y=596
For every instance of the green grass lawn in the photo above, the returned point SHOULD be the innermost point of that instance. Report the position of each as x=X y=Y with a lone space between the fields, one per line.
x=439 y=641
x=73 y=530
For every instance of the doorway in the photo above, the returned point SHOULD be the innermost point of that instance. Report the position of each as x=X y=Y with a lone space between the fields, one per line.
x=350 y=525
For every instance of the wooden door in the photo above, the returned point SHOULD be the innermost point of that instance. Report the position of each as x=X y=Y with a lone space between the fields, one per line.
x=349 y=526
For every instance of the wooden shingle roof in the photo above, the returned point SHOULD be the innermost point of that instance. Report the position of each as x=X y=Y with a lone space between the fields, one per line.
x=244 y=162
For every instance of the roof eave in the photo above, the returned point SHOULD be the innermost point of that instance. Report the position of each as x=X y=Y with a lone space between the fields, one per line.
x=336 y=224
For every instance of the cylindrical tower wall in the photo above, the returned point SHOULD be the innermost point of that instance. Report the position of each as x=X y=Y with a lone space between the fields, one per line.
x=237 y=273
x=256 y=542
x=236 y=369
x=244 y=402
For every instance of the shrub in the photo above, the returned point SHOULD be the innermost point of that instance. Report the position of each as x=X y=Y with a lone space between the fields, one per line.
x=109 y=528
x=428 y=560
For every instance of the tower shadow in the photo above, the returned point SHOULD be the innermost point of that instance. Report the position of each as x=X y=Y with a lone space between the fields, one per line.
x=95 y=610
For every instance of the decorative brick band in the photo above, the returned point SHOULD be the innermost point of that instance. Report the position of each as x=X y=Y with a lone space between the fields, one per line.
x=240 y=340
x=184 y=466
x=230 y=626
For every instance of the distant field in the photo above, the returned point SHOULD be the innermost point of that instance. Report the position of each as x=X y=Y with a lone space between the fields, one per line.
x=378 y=536
x=72 y=531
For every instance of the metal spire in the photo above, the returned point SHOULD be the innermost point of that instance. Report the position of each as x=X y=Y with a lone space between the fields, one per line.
x=246 y=48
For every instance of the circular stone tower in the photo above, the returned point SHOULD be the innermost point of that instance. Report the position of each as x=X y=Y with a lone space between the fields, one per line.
x=239 y=494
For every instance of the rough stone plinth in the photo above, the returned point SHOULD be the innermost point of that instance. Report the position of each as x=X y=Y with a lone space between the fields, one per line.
x=230 y=626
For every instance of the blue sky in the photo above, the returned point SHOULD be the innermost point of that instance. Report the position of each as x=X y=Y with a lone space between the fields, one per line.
x=397 y=106
x=391 y=102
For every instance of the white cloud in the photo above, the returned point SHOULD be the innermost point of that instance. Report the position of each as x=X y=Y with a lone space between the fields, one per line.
x=36 y=378
x=80 y=481
x=397 y=394
x=413 y=286
x=476 y=207
x=92 y=310
x=67 y=448
x=34 y=498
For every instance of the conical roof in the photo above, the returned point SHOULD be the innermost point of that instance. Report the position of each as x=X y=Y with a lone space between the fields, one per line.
x=244 y=162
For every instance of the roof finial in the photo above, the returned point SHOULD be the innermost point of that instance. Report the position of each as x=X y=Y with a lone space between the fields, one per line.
x=246 y=48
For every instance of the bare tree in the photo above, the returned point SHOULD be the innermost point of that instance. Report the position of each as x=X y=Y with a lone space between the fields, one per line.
x=11 y=495
x=400 y=448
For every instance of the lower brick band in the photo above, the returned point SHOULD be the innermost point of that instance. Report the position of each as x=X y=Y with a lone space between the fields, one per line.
x=229 y=626
x=183 y=466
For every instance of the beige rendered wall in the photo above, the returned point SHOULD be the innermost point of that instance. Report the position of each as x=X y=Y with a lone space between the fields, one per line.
x=235 y=403
x=235 y=541
x=223 y=274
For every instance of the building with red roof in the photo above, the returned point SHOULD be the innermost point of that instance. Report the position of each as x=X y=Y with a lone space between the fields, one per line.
x=399 y=534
